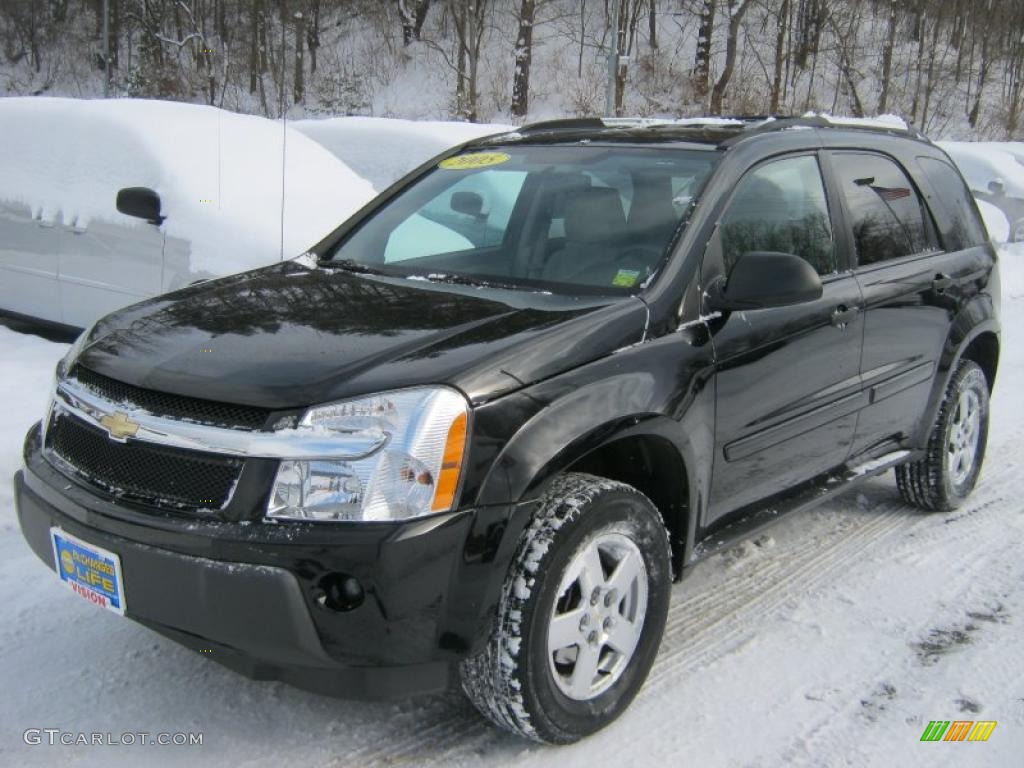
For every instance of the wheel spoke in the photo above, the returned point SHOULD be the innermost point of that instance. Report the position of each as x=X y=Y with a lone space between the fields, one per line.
x=584 y=671
x=624 y=636
x=625 y=573
x=564 y=630
x=591 y=573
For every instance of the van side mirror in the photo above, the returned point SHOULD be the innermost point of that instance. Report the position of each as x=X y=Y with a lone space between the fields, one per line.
x=765 y=279
x=468 y=203
x=140 y=202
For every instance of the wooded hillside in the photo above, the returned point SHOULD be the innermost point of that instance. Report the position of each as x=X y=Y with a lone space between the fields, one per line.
x=953 y=67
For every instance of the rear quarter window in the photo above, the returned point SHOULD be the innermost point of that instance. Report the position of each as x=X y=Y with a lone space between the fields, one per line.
x=957 y=219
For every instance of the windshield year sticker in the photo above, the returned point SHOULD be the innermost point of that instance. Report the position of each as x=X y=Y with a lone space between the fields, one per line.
x=626 y=278
x=473 y=160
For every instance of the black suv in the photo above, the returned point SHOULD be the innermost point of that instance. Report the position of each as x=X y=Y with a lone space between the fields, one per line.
x=477 y=432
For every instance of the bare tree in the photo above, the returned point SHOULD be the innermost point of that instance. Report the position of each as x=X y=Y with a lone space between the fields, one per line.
x=736 y=14
x=412 y=14
x=468 y=17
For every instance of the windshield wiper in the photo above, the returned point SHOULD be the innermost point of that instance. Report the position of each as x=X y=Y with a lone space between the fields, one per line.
x=351 y=265
x=463 y=280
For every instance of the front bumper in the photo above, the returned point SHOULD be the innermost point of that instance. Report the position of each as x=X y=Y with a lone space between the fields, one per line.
x=251 y=596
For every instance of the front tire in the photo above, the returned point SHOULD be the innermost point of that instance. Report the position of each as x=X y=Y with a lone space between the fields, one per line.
x=582 y=613
x=945 y=477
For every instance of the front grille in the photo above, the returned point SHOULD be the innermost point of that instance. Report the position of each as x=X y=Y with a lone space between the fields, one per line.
x=138 y=471
x=195 y=410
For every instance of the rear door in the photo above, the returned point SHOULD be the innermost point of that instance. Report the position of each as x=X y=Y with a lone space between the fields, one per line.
x=788 y=378
x=909 y=284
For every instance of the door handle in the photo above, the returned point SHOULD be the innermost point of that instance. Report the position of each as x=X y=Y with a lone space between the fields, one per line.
x=941 y=282
x=843 y=316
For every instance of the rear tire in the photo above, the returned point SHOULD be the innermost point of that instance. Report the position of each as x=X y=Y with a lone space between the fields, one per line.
x=581 y=616
x=945 y=477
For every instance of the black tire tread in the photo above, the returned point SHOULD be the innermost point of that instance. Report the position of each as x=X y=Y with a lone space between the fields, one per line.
x=491 y=680
x=921 y=483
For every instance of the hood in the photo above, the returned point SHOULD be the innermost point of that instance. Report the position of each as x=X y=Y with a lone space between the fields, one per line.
x=291 y=336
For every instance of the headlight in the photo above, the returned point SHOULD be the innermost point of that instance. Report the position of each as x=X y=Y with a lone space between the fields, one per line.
x=415 y=472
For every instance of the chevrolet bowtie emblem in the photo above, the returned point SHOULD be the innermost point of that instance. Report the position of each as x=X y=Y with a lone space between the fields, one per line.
x=119 y=425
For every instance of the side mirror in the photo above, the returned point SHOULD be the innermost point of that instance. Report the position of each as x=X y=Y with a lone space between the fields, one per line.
x=469 y=203
x=996 y=186
x=764 y=279
x=140 y=202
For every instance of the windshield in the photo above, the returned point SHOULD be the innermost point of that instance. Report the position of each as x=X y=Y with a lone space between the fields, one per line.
x=567 y=219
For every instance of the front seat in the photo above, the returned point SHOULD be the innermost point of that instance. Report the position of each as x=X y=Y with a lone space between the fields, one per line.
x=594 y=220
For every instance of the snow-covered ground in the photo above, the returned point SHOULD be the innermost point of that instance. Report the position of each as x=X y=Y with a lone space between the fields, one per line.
x=830 y=640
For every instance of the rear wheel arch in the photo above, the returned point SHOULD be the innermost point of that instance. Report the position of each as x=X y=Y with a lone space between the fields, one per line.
x=977 y=341
x=983 y=349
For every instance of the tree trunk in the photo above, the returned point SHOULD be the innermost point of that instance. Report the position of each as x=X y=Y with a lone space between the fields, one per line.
x=254 y=66
x=523 y=59
x=780 y=56
x=702 y=62
x=890 y=42
x=975 y=112
x=412 y=14
x=652 y=25
x=299 y=85
x=313 y=34
x=731 y=44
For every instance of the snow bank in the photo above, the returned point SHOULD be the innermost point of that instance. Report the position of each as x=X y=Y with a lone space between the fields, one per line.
x=218 y=174
x=382 y=149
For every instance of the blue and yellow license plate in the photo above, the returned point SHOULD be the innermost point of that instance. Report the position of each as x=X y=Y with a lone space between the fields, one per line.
x=90 y=571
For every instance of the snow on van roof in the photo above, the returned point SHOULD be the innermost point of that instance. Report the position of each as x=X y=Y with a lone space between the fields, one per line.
x=218 y=174
x=983 y=162
x=383 y=149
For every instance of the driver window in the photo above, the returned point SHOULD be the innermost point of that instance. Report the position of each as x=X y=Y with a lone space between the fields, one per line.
x=780 y=206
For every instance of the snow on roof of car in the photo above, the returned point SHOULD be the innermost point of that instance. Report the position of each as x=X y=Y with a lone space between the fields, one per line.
x=218 y=174
x=889 y=122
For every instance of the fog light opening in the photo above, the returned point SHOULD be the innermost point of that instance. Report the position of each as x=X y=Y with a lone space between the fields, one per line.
x=340 y=592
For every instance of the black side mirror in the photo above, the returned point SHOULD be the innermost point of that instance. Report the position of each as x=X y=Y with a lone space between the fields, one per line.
x=140 y=202
x=764 y=279
x=469 y=203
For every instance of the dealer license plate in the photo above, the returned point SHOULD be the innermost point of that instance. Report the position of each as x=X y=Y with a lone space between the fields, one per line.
x=89 y=571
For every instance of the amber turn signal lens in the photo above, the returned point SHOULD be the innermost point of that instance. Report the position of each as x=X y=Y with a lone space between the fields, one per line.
x=451 y=465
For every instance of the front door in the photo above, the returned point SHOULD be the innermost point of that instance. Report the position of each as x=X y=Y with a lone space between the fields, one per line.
x=788 y=384
x=106 y=265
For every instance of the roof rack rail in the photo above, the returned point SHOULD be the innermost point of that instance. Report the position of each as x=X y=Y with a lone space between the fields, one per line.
x=770 y=125
x=563 y=124
x=745 y=125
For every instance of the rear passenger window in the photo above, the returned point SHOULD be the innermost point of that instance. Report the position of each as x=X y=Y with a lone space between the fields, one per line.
x=960 y=226
x=885 y=212
x=780 y=206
